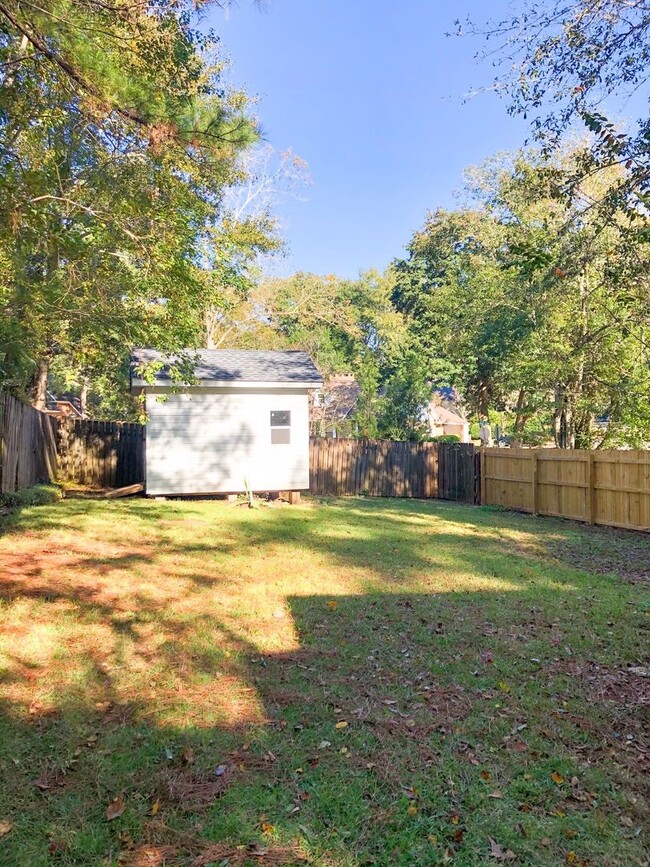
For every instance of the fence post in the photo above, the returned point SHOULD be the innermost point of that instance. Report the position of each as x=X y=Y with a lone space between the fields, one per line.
x=3 y=450
x=483 y=460
x=534 y=482
x=590 y=490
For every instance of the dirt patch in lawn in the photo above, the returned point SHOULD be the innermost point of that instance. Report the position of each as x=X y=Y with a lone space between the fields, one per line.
x=625 y=692
x=605 y=551
x=192 y=855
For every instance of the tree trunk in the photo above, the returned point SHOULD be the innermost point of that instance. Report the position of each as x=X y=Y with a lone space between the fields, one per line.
x=583 y=438
x=40 y=384
x=563 y=432
x=520 y=418
x=483 y=398
x=83 y=396
x=209 y=328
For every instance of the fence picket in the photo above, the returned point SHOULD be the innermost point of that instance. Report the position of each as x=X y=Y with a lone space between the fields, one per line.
x=27 y=445
x=101 y=453
x=382 y=468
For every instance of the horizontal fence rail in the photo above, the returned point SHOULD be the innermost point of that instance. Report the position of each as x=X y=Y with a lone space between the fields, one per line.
x=107 y=454
x=27 y=445
x=383 y=468
x=609 y=487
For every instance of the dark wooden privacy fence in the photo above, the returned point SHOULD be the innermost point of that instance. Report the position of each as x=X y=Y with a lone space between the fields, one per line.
x=108 y=454
x=27 y=445
x=382 y=468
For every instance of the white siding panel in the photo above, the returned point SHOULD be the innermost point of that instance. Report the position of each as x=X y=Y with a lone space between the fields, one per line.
x=212 y=441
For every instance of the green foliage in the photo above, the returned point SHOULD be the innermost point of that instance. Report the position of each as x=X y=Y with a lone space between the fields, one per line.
x=113 y=164
x=36 y=495
x=406 y=393
x=533 y=308
x=445 y=438
x=563 y=61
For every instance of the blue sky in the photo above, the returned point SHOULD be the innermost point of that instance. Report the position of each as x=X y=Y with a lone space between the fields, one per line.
x=370 y=94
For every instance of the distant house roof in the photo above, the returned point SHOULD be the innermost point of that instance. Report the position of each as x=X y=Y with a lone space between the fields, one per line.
x=445 y=416
x=227 y=366
x=340 y=396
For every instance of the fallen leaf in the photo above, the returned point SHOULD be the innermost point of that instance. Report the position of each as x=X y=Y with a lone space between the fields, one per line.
x=323 y=745
x=486 y=775
x=155 y=807
x=220 y=770
x=267 y=827
x=187 y=755
x=557 y=778
x=412 y=810
x=5 y=827
x=570 y=833
x=332 y=604
x=571 y=857
x=56 y=845
x=341 y=724
x=495 y=794
x=504 y=686
x=498 y=853
x=115 y=808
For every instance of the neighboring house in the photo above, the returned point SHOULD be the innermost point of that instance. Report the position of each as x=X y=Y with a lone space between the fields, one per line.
x=443 y=422
x=66 y=406
x=244 y=423
x=333 y=405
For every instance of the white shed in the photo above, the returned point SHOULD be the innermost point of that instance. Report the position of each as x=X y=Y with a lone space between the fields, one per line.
x=243 y=422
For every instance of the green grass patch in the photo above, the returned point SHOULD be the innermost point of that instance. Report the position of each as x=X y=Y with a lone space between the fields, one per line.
x=353 y=682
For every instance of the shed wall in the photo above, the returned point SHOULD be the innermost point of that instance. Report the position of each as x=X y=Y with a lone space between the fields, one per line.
x=213 y=441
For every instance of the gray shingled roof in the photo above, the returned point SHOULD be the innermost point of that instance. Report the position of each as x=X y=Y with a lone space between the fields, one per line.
x=235 y=365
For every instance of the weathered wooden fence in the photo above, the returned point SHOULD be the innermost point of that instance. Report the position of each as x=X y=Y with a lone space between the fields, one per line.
x=109 y=454
x=382 y=468
x=611 y=488
x=27 y=445
x=602 y=487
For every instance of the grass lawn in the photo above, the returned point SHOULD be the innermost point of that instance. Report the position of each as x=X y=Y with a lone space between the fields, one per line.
x=349 y=682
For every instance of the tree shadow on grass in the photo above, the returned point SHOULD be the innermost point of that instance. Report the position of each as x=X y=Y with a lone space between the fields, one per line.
x=467 y=672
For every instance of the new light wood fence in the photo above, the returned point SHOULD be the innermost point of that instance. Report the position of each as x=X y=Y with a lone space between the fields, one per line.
x=602 y=487
x=106 y=454
x=382 y=468
x=27 y=445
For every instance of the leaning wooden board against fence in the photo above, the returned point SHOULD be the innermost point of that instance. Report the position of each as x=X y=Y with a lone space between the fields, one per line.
x=27 y=445
x=383 y=468
x=103 y=453
x=609 y=487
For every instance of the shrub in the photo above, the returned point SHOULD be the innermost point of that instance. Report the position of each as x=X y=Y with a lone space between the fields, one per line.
x=37 y=495
x=446 y=438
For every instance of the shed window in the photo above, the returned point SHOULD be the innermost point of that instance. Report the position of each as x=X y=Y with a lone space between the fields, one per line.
x=280 y=418
x=280 y=427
